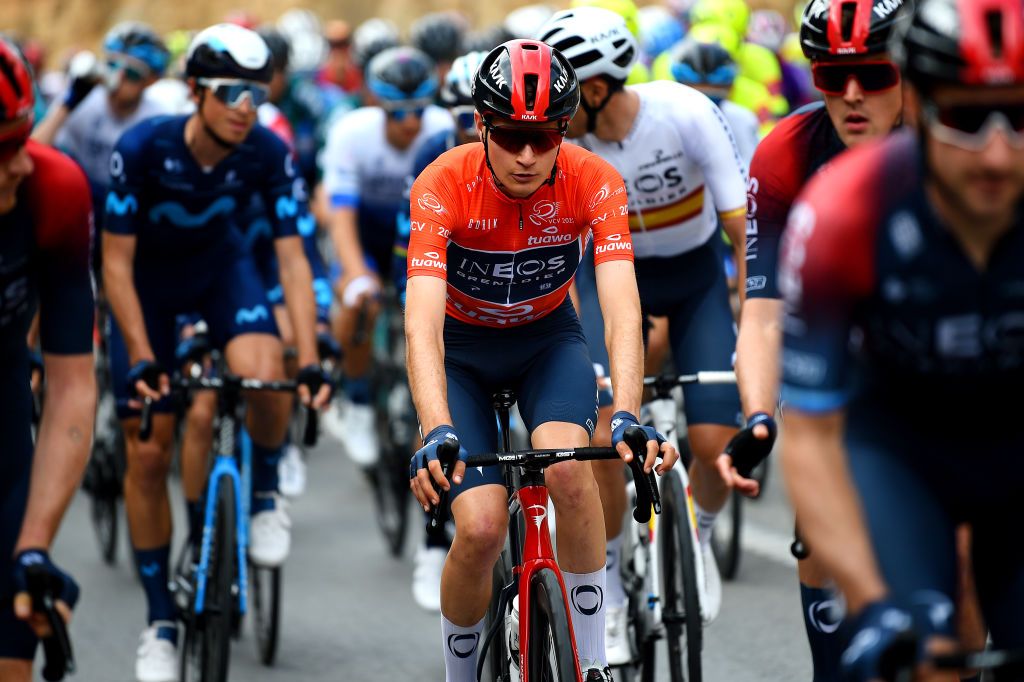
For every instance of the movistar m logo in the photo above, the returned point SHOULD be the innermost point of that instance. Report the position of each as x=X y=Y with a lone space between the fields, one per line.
x=306 y=224
x=178 y=215
x=250 y=315
x=122 y=206
x=287 y=207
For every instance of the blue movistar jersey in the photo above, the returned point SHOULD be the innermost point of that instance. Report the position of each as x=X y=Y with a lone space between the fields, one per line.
x=180 y=211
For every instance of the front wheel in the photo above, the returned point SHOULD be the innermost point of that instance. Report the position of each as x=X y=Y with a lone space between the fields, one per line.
x=496 y=662
x=266 y=609
x=680 y=611
x=725 y=541
x=390 y=479
x=551 y=653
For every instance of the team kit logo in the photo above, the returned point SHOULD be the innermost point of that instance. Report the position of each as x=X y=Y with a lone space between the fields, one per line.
x=430 y=202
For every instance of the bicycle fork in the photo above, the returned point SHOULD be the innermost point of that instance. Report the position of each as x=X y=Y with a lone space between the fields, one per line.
x=224 y=465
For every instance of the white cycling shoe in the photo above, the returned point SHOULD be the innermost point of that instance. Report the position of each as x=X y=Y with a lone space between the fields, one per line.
x=156 y=659
x=291 y=471
x=426 y=577
x=616 y=635
x=270 y=535
x=354 y=427
x=712 y=602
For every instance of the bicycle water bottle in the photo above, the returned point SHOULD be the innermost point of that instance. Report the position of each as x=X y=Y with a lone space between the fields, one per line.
x=512 y=636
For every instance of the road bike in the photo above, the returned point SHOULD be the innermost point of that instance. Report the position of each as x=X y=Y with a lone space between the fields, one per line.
x=529 y=632
x=213 y=589
x=59 y=658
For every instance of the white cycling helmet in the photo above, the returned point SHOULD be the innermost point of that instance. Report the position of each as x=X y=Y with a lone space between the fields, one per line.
x=596 y=42
x=457 y=89
x=524 y=22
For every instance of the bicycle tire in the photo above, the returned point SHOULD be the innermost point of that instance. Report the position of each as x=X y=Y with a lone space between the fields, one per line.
x=265 y=591
x=208 y=637
x=552 y=655
x=496 y=662
x=680 y=610
x=390 y=480
x=727 y=538
x=103 y=512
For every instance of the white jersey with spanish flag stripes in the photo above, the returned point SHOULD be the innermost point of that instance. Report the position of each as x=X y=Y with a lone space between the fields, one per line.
x=681 y=167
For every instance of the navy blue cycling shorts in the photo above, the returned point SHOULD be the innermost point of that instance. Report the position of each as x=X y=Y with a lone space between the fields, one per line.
x=233 y=301
x=692 y=292
x=545 y=362
x=16 y=638
x=917 y=484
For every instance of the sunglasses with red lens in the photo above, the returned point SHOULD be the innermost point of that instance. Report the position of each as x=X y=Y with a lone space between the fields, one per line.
x=831 y=78
x=513 y=140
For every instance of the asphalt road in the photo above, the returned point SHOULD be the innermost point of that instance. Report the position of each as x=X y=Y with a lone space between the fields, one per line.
x=348 y=613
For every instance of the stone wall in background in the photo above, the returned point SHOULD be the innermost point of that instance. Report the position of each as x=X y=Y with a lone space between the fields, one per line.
x=61 y=24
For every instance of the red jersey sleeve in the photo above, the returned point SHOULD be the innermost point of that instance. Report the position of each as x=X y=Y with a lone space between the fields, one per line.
x=607 y=211
x=431 y=220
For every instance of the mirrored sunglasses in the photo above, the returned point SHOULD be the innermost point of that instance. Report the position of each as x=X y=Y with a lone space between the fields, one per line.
x=970 y=126
x=515 y=139
x=233 y=91
x=831 y=78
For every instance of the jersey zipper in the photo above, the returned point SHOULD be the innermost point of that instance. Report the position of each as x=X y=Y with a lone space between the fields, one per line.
x=520 y=217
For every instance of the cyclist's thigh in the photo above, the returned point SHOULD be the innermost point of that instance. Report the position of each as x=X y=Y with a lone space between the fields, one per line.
x=912 y=531
x=558 y=385
x=592 y=320
x=236 y=302
x=469 y=403
x=161 y=328
x=16 y=639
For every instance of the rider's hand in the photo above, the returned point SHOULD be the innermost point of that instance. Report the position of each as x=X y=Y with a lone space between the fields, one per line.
x=748 y=448
x=147 y=379
x=880 y=641
x=425 y=468
x=66 y=597
x=83 y=75
x=655 y=443
x=357 y=287
x=313 y=381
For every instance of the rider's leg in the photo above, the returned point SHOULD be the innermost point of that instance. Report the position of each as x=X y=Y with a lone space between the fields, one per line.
x=196 y=443
x=823 y=614
x=284 y=327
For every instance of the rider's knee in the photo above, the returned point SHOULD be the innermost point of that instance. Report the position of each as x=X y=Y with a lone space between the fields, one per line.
x=481 y=535
x=571 y=484
x=148 y=464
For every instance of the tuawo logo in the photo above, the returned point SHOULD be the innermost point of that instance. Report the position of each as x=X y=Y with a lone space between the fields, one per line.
x=544 y=211
x=431 y=259
x=612 y=247
x=549 y=239
x=429 y=202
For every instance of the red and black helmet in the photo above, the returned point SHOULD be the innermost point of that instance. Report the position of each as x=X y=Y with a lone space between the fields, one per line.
x=17 y=100
x=836 y=28
x=963 y=42
x=526 y=81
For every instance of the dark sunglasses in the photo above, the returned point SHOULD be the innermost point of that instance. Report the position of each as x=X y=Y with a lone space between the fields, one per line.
x=131 y=73
x=233 y=91
x=514 y=139
x=970 y=126
x=12 y=145
x=831 y=79
x=342 y=44
x=401 y=114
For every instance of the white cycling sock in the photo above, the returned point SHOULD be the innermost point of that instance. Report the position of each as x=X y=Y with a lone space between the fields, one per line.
x=460 y=650
x=586 y=596
x=705 y=523
x=615 y=595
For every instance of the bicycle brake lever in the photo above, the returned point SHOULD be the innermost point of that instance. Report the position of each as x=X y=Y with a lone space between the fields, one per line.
x=645 y=483
x=60 y=658
x=447 y=453
x=146 y=425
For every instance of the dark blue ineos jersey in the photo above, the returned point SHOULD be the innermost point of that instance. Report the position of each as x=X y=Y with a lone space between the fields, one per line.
x=883 y=307
x=798 y=147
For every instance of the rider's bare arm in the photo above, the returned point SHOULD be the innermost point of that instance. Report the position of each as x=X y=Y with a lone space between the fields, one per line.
x=620 y=306
x=297 y=283
x=424 y=333
x=119 y=285
x=758 y=348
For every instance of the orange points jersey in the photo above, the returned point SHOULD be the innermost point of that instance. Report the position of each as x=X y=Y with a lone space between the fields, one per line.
x=509 y=261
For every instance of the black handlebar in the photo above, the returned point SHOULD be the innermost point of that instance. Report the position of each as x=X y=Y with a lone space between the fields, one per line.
x=44 y=588
x=647 y=494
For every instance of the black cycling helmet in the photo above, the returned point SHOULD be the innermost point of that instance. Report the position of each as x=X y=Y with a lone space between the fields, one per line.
x=439 y=35
x=229 y=51
x=372 y=37
x=526 y=80
x=962 y=42
x=837 y=28
x=693 y=62
x=278 y=45
x=403 y=76
x=140 y=42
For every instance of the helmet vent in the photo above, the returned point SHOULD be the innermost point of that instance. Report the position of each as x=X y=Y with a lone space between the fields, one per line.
x=565 y=45
x=848 y=14
x=581 y=60
x=994 y=22
x=530 y=90
x=624 y=59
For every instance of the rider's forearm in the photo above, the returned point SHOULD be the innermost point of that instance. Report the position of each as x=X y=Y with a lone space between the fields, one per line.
x=297 y=285
x=736 y=228
x=620 y=307
x=757 y=354
x=424 y=333
x=119 y=286
x=62 y=446
x=828 y=507
x=46 y=130
x=345 y=236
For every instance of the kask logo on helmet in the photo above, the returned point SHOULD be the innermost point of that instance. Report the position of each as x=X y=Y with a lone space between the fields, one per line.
x=497 y=75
